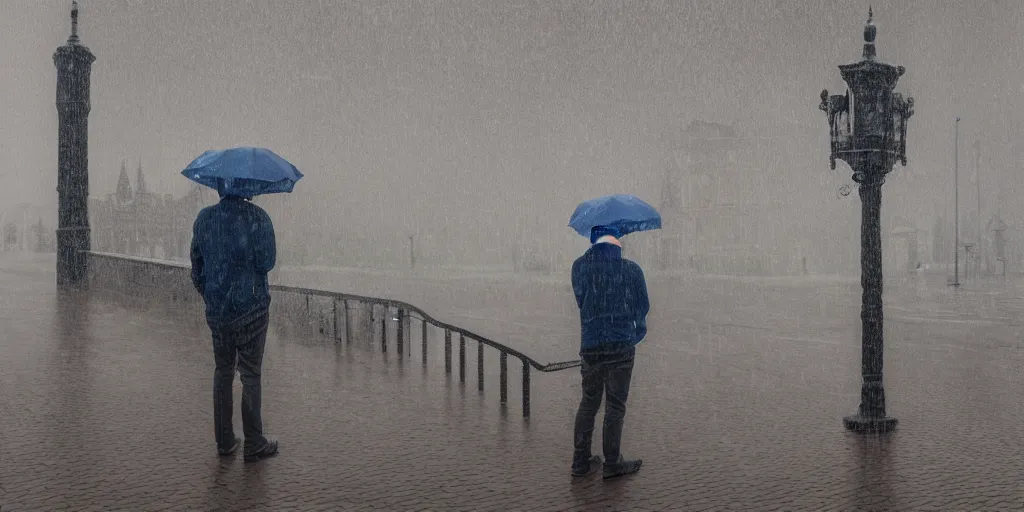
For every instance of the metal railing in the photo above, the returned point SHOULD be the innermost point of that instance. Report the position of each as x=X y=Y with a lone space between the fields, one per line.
x=401 y=311
x=404 y=311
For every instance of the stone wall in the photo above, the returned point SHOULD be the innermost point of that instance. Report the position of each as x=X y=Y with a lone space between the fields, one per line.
x=144 y=282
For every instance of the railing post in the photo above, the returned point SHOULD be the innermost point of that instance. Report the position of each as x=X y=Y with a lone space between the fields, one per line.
x=462 y=357
x=504 y=377
x=334 y=316
x=384 y=330
x=480 y=365
x=321 y=325
x=448 y=351
x=526 y=389
x=348 y=330
x=400 y=334
x=423 y=339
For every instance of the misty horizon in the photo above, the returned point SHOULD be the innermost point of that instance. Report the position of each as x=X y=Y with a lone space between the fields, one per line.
x=472 y=124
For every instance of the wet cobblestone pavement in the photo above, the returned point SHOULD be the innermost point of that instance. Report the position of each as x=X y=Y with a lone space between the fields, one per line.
x=105 y=407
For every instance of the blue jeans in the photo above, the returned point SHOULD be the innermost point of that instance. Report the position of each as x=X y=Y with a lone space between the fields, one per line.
x=240 y=341
x=605 y=372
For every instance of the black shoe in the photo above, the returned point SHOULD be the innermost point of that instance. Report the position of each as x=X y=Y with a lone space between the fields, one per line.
x=231 y=449
x=622 y=468
x=587 y=467
x=267 y=450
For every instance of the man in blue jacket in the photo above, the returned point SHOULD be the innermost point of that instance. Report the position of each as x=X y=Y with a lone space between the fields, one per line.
x=233 y=249
x=612 y=296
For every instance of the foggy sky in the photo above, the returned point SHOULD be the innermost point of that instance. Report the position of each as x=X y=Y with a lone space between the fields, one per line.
x=402 y=113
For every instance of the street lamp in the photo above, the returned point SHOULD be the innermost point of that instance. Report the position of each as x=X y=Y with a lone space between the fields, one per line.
x=868 y=131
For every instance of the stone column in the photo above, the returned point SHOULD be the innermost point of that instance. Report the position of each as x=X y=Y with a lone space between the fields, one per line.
x=74 y=64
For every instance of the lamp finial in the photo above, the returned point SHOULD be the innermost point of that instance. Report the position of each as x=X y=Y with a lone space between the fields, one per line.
x=73 y=38
x=869 y=36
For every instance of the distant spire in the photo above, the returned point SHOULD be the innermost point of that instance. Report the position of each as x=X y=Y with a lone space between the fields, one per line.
x=73 y=38
x=124 y=187
x=140 y=182
x=869 y=36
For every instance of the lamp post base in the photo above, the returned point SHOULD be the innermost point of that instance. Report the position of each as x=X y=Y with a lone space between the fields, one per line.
x=863 y=424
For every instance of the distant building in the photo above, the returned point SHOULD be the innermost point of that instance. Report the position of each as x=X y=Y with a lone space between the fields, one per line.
x=997 y=258
x=727 y=207
x=137 y=222
x=23 y=229
x=903 y=250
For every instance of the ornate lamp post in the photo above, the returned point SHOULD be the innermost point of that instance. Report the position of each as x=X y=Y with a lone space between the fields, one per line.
x=74 y=64
x=868 y=131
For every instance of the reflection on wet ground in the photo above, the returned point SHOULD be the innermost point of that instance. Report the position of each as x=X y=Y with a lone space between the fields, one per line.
x=737 y=403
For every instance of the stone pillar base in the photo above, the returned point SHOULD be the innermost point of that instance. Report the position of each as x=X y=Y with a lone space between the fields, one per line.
x=71 y=258
x=863 y=425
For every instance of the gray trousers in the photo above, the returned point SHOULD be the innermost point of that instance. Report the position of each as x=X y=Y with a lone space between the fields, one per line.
x=239 y=344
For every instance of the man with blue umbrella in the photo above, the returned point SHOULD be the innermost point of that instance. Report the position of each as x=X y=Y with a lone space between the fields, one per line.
x=611 y=293
x=233 y=249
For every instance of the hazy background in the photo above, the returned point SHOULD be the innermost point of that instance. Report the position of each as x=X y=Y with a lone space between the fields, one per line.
x=477 y=124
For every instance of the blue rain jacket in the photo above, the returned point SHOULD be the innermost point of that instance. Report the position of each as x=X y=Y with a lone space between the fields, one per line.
x=612 y=296
x=233 y=249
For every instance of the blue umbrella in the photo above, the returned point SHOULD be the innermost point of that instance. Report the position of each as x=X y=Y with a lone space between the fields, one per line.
x=243 y=171
x=623 y=212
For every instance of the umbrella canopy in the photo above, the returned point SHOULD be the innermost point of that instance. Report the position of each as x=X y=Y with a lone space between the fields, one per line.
x=243 y=171
x=622 y=212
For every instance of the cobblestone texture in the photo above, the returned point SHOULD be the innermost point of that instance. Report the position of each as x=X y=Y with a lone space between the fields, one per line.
x=106 y=407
